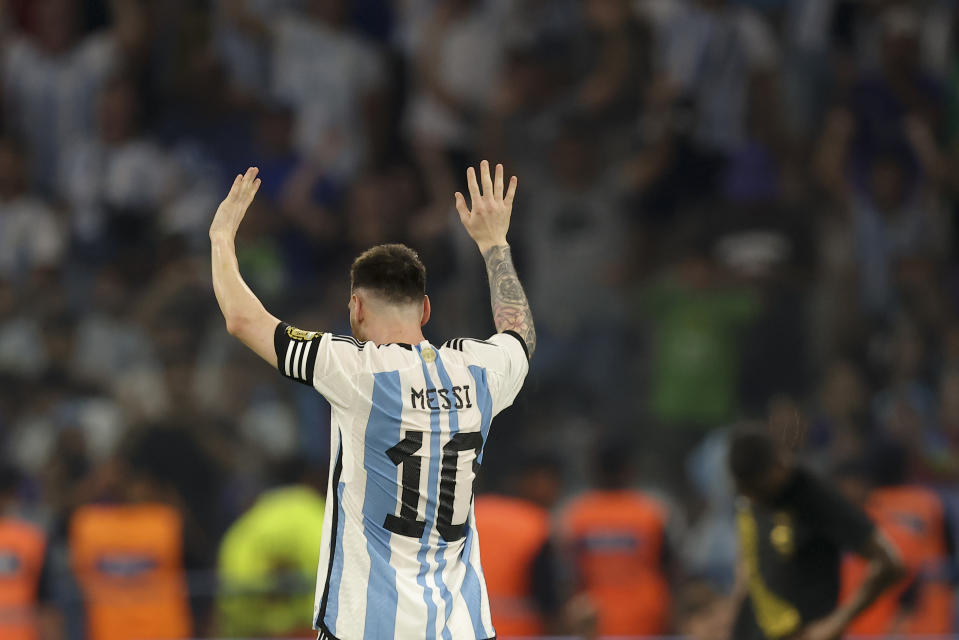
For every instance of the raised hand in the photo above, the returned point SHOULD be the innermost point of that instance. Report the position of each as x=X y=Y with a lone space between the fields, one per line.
x=487 y=223
x=230 y=213
x=488 y=220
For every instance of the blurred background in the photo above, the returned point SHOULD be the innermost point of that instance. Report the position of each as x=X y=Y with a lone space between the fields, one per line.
x=728 y=210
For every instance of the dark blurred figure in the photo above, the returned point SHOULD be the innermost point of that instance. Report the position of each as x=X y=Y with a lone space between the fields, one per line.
x=25 y=584
x=268 y=558
x=127 y=553
x=617 y=59
x=578 y=214
x=618 y=539
x=698 y=325
x=519 y=556
x=792 y=530
x=840 y=418
x=51 y=76
x=116 y=180
x=31 y=234
x=914 y=519
x=884 y=102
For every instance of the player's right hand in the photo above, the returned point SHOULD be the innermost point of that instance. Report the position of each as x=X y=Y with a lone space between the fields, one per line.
x=230 y=213
x=488 y=220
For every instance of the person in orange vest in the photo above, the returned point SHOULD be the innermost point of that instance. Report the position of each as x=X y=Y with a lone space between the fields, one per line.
x=913 y=517
x=618 y=540
x=519 y=558
x=25 y=590
x=127 y=556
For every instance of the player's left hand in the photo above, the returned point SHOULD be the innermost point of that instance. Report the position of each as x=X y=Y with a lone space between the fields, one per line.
x=828 y=628
x=230 y=213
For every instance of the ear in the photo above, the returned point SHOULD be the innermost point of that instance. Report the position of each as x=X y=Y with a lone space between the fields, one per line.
x=426 y=311
x=357 y=304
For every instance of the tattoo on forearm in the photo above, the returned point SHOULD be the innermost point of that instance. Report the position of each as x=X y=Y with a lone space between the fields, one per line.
x=510 y=307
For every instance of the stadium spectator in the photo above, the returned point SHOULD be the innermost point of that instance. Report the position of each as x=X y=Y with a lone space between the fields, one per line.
x=115 y=181
x=697 y=325
x=582 y=219
x=32 y=235
x=712 y=50
x=332 y=76
x=51 y=77
x=619 y=545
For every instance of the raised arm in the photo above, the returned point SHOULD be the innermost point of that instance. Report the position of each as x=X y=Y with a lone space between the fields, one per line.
x=487 y=223
x=246 y=318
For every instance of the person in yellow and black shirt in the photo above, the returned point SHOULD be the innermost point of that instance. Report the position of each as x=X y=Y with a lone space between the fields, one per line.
x=792 y=531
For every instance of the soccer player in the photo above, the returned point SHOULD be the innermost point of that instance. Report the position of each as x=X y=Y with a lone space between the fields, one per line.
x=400 y=555
x=792 y=530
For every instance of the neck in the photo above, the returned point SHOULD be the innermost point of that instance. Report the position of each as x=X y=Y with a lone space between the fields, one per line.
x=394 y=333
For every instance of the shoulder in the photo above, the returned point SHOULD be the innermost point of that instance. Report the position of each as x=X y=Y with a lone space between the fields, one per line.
x=458 y=344
x=23 y=529
x=503 y=342
x=364 y=346
x=647 y=504
x=340 y=339
x=584 y=506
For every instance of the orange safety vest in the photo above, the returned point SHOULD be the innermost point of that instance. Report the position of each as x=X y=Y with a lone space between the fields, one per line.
x=128 y=560
x=617 y=539
x=511 y=533
x=912 y=518
x=22 y=548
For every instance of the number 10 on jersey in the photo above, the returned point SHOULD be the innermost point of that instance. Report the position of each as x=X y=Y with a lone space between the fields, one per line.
x=404 y=454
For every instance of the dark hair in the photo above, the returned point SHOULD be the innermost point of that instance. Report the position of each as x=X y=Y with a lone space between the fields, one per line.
x=392 y=270
x=613 y=464
x=539 y=461
x=751 y=455
x=9 y=479
x=888 y=463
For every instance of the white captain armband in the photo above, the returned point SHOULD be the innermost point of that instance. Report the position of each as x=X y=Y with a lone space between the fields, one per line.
x=296 y=352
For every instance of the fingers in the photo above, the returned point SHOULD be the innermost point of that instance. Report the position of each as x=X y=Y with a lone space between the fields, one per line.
x=487 y=181
x=461 y=207
x=473 y=187
x=510 y=192
x=498 y=183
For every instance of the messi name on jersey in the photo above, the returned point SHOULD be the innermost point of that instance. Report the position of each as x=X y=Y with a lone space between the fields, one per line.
x=441 y=398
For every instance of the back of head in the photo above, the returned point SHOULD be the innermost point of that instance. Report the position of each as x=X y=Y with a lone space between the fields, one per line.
x=539 y=478
x=613 y=465
x=394 y=272
x=751 y=456
x=888 y=464
x=9 y=481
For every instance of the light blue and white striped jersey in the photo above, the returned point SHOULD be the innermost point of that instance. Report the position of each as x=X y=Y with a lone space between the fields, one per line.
x=400 y=555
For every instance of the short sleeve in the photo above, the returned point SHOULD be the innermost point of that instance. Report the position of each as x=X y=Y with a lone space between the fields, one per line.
x=505 y=357
x=845 y=524
x=325 y=361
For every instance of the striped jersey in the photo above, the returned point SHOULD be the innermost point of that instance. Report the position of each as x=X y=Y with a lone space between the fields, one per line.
x=399 y=553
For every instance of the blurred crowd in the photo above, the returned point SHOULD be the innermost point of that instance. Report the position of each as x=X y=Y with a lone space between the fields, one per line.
x=728 y=210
